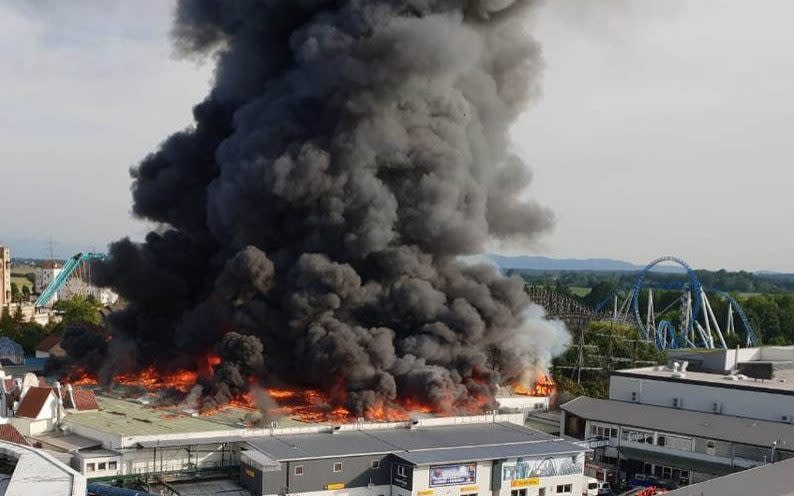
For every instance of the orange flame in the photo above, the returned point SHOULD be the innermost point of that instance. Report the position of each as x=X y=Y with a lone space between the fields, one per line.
x=306 y=405
x=543 y=386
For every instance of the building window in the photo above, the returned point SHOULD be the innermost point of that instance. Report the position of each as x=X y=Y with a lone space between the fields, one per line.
x=102 y=466
x=469 y=494
x=660 y=441
x=518 y=492
x=402 y=471
x=338 y=467
x=89 y=467
x=542 y=491
x=374 y=464
x=113 y=465
x=564 y=488
x=298 y=469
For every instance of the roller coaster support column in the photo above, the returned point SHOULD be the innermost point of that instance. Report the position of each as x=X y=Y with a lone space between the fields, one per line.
x=710 y=313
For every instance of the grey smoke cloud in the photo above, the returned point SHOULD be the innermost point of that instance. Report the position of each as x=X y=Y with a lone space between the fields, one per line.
x=347 y=155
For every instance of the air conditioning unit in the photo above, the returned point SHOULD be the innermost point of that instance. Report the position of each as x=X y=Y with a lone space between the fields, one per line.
x=678 y=403
x=635 y=396
x=716 y=407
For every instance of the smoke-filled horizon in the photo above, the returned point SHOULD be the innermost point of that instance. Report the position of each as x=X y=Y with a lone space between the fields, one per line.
x=348 y=153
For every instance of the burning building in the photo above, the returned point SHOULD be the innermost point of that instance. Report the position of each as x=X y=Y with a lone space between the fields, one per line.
x=313 y=218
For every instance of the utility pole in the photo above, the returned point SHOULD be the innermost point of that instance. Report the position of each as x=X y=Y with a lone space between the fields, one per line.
x=51 y=246
x=581 y=353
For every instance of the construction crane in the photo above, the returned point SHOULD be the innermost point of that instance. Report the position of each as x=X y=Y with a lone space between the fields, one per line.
x=77 y=263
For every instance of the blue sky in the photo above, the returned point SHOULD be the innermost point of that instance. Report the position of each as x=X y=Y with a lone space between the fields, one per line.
x=664 y=127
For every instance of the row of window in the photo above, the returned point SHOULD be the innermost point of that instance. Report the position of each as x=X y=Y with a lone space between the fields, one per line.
x=561 y=489
x=663 y=472
x=337 y=467
x=643 y=437
x=93 y=467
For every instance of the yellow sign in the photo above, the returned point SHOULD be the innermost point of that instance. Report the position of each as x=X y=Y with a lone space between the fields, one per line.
x=426 y=492
x=250 y=473
x=469 y=489
x=535 y=481
x=339 y=485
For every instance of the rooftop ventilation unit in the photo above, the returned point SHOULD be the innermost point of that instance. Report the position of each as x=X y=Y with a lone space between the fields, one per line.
x=635 y=396
x=679 y=370
x=678 y=403
x=716 y=407
x=787 y=419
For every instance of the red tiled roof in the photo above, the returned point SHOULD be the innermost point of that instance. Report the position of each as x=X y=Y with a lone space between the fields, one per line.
x=84 y=399
x=33 y=402
x=49 y=342
x=9 y=433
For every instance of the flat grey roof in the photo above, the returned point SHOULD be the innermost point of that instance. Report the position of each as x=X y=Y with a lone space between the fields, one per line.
x=38 y=472
x=675 y=421
x=462 y=455
x=773 y=479
x=189 y=441
x=383 y=441
x=68 y=442
x=775 y=386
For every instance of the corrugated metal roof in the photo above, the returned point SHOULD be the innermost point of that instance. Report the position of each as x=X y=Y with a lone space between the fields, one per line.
x=461 y=455
x=371 y=442
x=773 y=479
x=189 y=441
x=68 y=442
x=675 y=421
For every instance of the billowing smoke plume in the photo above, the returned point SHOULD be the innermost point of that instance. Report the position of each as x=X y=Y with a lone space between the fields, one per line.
x=348 y=153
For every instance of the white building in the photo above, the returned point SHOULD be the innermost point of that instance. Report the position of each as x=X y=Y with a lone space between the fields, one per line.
x=718 y=387
x=694 y=420
x=47 y=273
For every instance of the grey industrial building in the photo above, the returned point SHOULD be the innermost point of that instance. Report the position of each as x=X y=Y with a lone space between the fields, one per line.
x=496 y=458
x=686 y=426
x=773 y=479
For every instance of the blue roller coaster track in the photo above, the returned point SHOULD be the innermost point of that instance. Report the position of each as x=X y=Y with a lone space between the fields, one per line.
x=694 y=286
x=68 y=270
x=665 y=334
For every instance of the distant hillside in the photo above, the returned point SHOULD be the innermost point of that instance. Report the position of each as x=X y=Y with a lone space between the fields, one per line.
x=546 y=264
x=29 y=248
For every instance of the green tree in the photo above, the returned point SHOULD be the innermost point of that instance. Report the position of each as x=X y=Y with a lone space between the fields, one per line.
x=79 y=309
x=600 y=292
x=16 y=296
x=26 y=293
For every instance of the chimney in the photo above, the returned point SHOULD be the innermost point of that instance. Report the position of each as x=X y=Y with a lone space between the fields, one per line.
x=60 y=401
x=22 y=390
x=71 y=396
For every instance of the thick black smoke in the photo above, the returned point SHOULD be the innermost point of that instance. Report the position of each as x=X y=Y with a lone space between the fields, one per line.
x=349 y=152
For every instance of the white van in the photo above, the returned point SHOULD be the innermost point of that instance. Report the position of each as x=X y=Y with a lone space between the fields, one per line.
x=595 y=487
x=591 y=486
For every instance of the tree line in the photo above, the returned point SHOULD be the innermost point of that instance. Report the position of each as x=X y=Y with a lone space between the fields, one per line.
x=77 y=310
